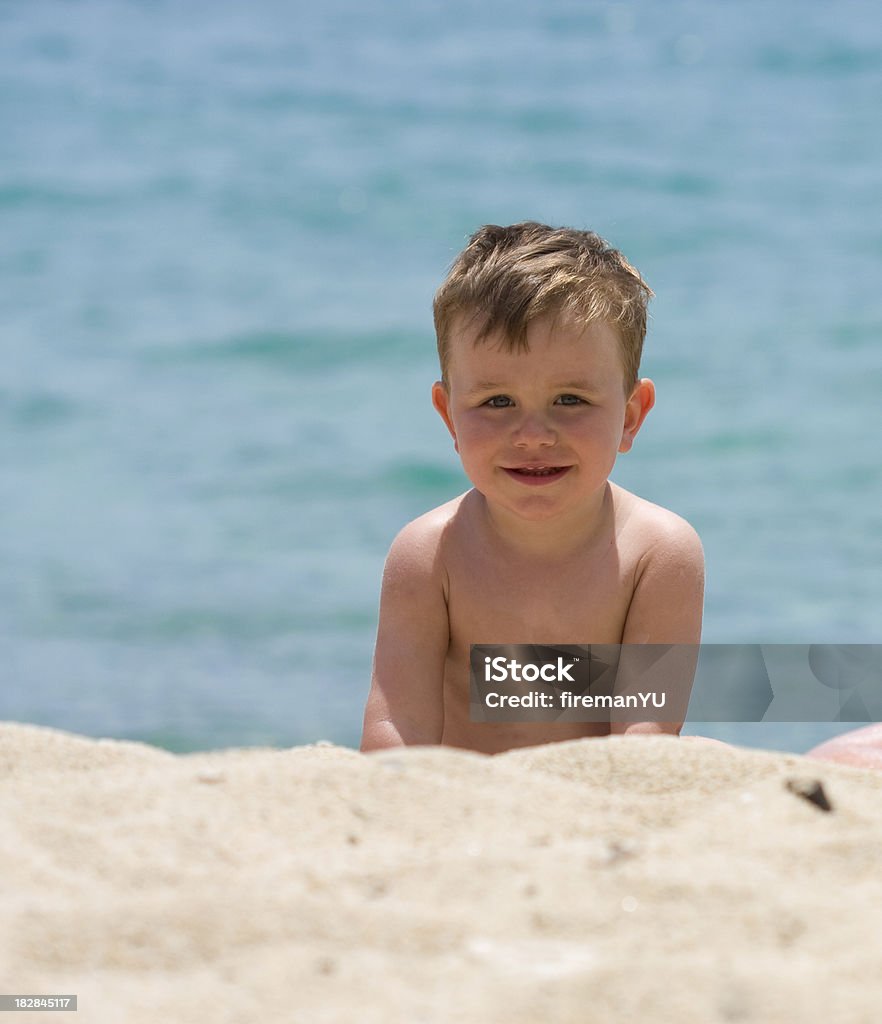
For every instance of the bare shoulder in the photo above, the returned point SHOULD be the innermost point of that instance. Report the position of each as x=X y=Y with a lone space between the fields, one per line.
x=650 y=532
x=419 y=547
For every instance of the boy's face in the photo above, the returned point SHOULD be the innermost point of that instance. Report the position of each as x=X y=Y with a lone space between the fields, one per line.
x=538 y=431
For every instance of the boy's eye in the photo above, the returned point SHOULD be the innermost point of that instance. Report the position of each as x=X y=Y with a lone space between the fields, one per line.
x=499 y=402
x=570 y=400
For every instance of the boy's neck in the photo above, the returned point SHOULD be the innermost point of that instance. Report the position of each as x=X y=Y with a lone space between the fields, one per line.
x=557 y=537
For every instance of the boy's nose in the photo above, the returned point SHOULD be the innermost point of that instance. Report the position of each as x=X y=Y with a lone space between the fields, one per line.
x=534 y=430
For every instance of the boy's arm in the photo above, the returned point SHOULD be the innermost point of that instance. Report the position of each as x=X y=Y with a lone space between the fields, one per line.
x=405 y=704
x=667 y=604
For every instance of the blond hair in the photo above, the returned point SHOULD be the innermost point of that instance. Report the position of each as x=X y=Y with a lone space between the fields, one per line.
x=508 y=276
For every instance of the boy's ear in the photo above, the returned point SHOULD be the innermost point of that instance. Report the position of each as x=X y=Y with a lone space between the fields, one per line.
x=638 y=405
x=441 y=401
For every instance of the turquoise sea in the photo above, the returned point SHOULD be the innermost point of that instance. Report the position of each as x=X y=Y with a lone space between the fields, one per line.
x=221 y=227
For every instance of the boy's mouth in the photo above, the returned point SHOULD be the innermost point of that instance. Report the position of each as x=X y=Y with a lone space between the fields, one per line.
x=537 y=474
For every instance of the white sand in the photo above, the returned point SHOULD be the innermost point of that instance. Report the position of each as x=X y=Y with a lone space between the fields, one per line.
x=648 y=879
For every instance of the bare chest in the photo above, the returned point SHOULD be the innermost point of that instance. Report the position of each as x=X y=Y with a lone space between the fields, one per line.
x=581 y=601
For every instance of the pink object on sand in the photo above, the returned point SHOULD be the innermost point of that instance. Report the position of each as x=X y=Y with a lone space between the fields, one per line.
x=861 y=748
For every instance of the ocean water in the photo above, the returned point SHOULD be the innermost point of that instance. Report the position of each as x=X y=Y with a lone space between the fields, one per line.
x=221 y=227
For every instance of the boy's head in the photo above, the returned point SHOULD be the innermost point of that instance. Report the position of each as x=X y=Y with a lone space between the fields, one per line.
x=507 y=277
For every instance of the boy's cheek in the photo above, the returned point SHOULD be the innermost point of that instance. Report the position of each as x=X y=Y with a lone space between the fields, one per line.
x=472 y=435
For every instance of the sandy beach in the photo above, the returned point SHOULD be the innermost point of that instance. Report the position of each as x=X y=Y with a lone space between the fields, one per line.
x=602 y=880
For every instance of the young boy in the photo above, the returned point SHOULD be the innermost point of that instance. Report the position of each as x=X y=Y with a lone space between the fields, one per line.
x=540 y=332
